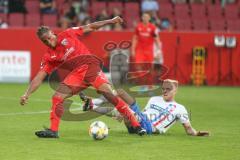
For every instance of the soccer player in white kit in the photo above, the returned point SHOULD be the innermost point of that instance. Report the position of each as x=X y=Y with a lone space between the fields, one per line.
x=160 y=113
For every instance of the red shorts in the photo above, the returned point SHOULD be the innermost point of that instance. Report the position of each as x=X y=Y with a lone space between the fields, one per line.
x=85 y=76
x=144 y=56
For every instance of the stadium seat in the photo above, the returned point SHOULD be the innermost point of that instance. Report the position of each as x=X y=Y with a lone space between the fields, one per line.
x=132 y=8
x=131 y=14
x=208 y=2
x=183 y=25
x=168 y=16
x=214 y=12
x=97 y=7
x=231 y=12
x=32 y=6
x=164 y=2
x=217 y=25
x=198 y=11
x=49 y=20
x=233 y=25
x=60 y=2
x=3 y=16
x=16 y=20
x=131 y=19
x=33 y=20
x=131 y=22
x=200 y=25
x=112 y=5
x=62 y=8
x=217 y=2
x=165 y=11
x=181 y=11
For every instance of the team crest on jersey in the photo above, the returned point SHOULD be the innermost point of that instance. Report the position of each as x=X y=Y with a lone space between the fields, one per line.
x=64 y=42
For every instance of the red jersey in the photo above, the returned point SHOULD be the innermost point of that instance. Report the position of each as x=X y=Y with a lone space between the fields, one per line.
x=68 y=47
x=145 y=34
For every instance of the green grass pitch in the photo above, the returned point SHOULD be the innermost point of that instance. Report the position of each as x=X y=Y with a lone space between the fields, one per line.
x=216 y=109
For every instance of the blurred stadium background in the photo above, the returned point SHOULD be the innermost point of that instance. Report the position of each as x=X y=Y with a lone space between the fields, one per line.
x=187 y=28
x=200 y=44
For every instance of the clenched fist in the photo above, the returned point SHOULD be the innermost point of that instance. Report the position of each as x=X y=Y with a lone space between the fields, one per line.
x=117 y=19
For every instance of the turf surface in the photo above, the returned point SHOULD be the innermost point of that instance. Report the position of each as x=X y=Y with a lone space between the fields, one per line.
x=216 y=109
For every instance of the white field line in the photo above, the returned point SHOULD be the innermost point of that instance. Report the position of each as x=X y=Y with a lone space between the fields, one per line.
x=32 y=113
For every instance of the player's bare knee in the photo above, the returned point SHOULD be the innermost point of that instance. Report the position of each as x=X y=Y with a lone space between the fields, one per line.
x=57 y=94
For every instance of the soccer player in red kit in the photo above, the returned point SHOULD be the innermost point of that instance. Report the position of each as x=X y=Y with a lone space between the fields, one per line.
x=84 y=70
x=143 y=40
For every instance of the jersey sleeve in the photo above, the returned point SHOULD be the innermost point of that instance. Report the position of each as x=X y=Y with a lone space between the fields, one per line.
x=76 y=31
x=46 y=66
x=182 y=115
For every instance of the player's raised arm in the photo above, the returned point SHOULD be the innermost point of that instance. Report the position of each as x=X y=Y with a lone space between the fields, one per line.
x=96 y=25
x=35 y=83
x=192 y=132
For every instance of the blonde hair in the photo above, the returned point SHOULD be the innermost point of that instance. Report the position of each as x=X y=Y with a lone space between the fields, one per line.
x=174 y=82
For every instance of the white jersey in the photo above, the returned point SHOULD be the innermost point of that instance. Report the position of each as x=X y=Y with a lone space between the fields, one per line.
x=164 y=114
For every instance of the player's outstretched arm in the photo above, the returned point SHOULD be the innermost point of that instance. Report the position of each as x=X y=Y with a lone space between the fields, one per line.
x=192 y=132
x=35 y=83
x=96 y=25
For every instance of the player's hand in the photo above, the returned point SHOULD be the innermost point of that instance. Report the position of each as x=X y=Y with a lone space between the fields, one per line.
x=23 y=99
x=203 y=133
x=117 y=19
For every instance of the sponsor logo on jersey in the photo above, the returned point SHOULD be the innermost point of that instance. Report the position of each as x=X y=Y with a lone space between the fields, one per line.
x=158 y=108
x=68 y=52
x=149 y=29
x=64 y=42
x=145 y=34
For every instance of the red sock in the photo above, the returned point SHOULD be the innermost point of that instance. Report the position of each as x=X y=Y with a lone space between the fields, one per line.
x=123 y=108
x=56 y=113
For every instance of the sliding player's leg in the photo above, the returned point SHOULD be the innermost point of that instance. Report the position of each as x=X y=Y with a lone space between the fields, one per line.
x=142 y=118
x=102 y=85
x=121 y=106
x=111 y=112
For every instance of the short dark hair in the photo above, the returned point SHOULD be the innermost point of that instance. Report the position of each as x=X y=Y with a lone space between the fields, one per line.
x=42 y=30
